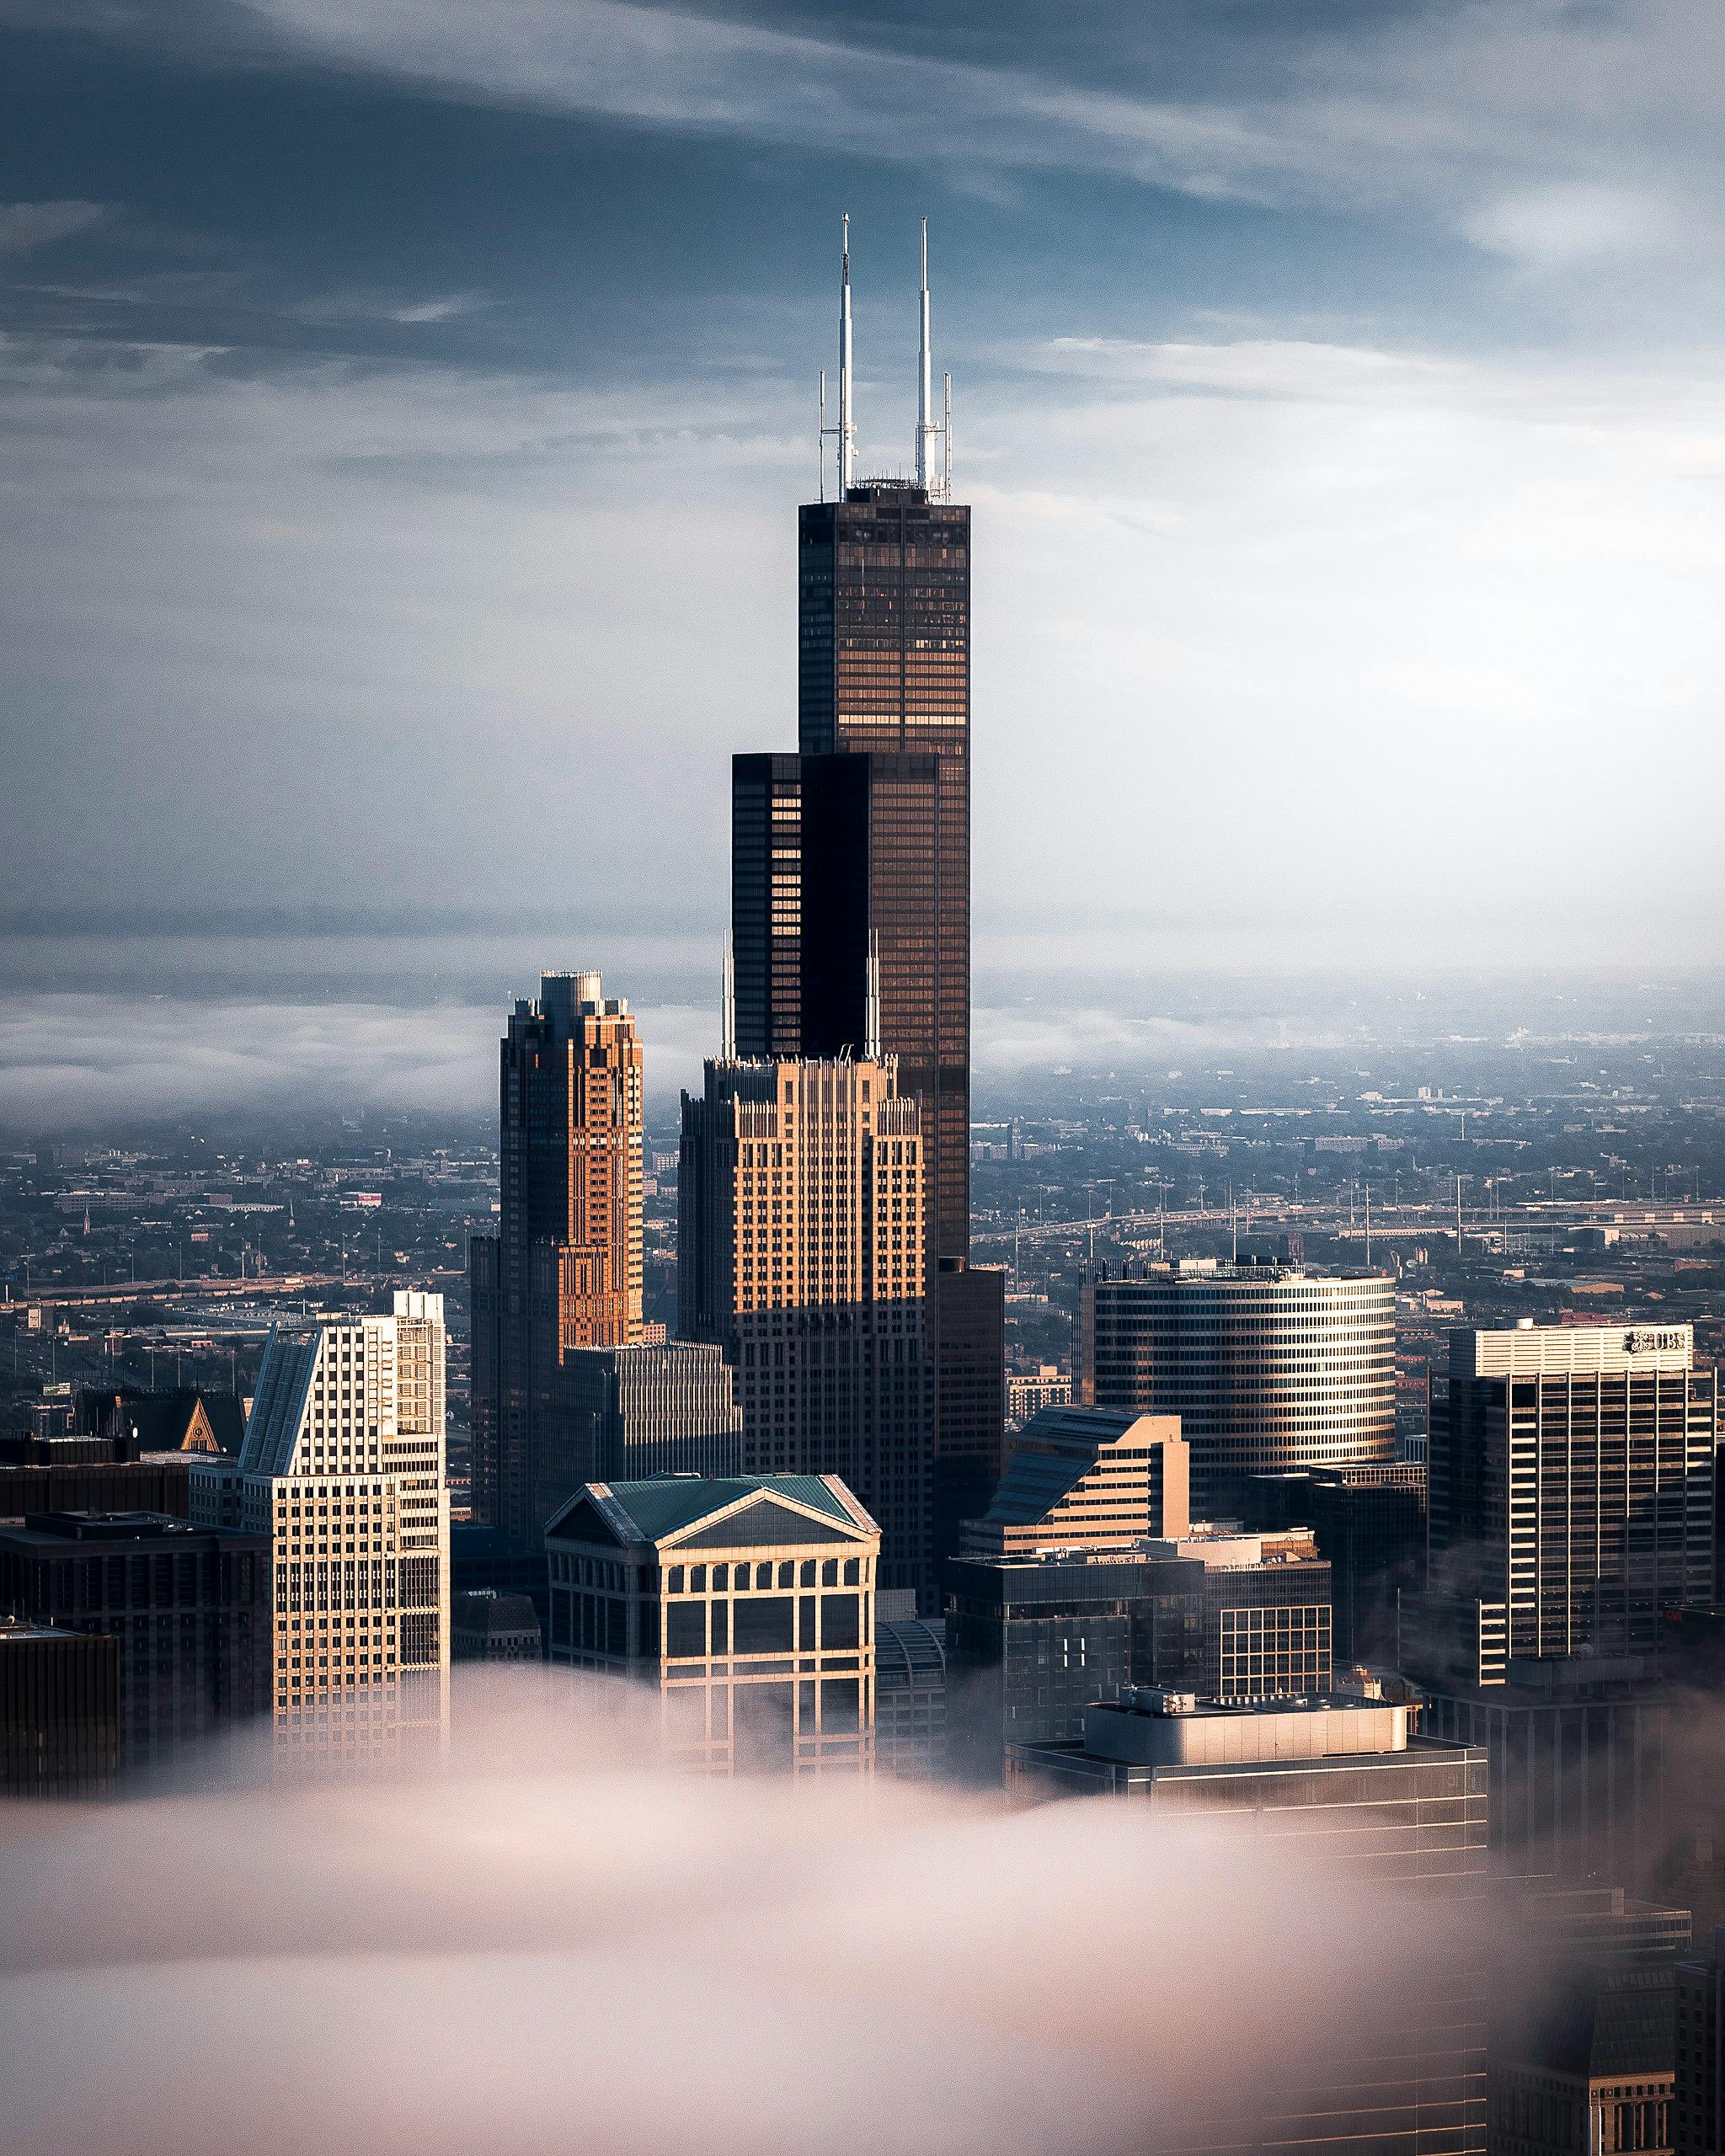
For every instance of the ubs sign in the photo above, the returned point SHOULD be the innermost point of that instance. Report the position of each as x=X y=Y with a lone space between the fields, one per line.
x=1655 y=1341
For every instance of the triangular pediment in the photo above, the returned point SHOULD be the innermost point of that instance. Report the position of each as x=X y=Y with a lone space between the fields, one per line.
x=764 y=1520
x=582 y=1519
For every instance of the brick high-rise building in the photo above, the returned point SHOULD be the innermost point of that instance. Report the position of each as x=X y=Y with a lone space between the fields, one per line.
x=801 y=1254
x=564 y=1270
x=853 y=858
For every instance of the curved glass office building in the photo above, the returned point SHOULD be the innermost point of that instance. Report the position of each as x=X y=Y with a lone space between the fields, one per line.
x=1267 y=1366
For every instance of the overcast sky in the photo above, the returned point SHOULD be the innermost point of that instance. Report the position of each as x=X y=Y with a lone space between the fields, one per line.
x=407 y=403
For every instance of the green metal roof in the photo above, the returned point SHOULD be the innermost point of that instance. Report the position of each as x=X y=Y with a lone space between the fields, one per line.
x=661 y=1505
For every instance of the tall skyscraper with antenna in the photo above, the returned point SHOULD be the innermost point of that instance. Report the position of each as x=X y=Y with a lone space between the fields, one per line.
x=860 y=845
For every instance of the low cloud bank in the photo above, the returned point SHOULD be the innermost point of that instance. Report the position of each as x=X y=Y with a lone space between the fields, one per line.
x=547 y=1944
x=76 y=1061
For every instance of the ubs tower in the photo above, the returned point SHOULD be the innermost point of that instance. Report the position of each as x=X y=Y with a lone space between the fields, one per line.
x=851 y=866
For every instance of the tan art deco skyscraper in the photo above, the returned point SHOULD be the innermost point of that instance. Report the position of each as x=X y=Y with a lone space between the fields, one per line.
x=564 y=1270
x=801 y=1251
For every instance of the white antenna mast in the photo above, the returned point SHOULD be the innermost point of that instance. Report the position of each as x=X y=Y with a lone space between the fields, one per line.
x=820 y=458
x=871 y=1001
x=946 y=444
x=925 y=381
x=847 y=423
x=727 y=1004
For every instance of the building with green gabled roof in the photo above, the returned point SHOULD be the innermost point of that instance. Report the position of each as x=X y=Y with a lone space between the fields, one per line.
x=746 y=1601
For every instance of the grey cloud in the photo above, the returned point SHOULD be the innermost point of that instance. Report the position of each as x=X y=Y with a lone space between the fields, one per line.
x=72 y=1061
x=78 y=1061
x=1474 y=112
x=1557 y=227
x=346 y=630
x=27 y=224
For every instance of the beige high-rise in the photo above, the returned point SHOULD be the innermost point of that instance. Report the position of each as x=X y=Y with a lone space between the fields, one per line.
x=802 y=1254
x=343 y=1467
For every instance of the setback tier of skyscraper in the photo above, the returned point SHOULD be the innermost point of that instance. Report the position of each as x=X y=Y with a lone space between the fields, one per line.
x=801 y=1256
x=1267 y=1366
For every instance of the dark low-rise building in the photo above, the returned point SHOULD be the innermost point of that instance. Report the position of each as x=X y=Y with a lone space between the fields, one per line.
x=910 y=1691
x=48 y=1480
x=189 y=1607
x=1698 y=2093
x=1583 y=2043
x=1342 y=1785
x=1580 y=1754
x=1031 y=1641
x=486 y=1560
x=59 y=1711
x=485 y=1625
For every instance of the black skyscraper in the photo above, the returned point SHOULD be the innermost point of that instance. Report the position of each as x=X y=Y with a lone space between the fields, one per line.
x=860 y=843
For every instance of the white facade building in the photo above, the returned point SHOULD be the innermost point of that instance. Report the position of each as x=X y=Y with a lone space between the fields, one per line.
x=343 y=1467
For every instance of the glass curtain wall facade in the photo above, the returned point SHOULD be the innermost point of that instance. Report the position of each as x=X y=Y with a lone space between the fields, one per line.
x=1267 y=1366
x=1572 y=1477
x=853 y=858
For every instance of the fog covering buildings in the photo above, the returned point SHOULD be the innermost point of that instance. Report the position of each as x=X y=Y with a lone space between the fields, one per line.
x=1340 y=1783
x=1583 y=2044
x=745 y=1603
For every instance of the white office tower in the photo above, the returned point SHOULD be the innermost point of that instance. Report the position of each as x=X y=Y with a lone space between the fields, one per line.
x=343 y=1467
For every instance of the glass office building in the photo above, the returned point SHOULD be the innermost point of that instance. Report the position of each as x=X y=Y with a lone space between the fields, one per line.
x=1267 y=1365
x=1341 y=1784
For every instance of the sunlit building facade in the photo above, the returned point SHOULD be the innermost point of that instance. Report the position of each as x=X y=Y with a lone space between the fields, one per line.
x=801 y=1229
x=1267 y=1365
x=1571 y=1483
x=565 y=1268
x=745 y=1603
x=342 y=1469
